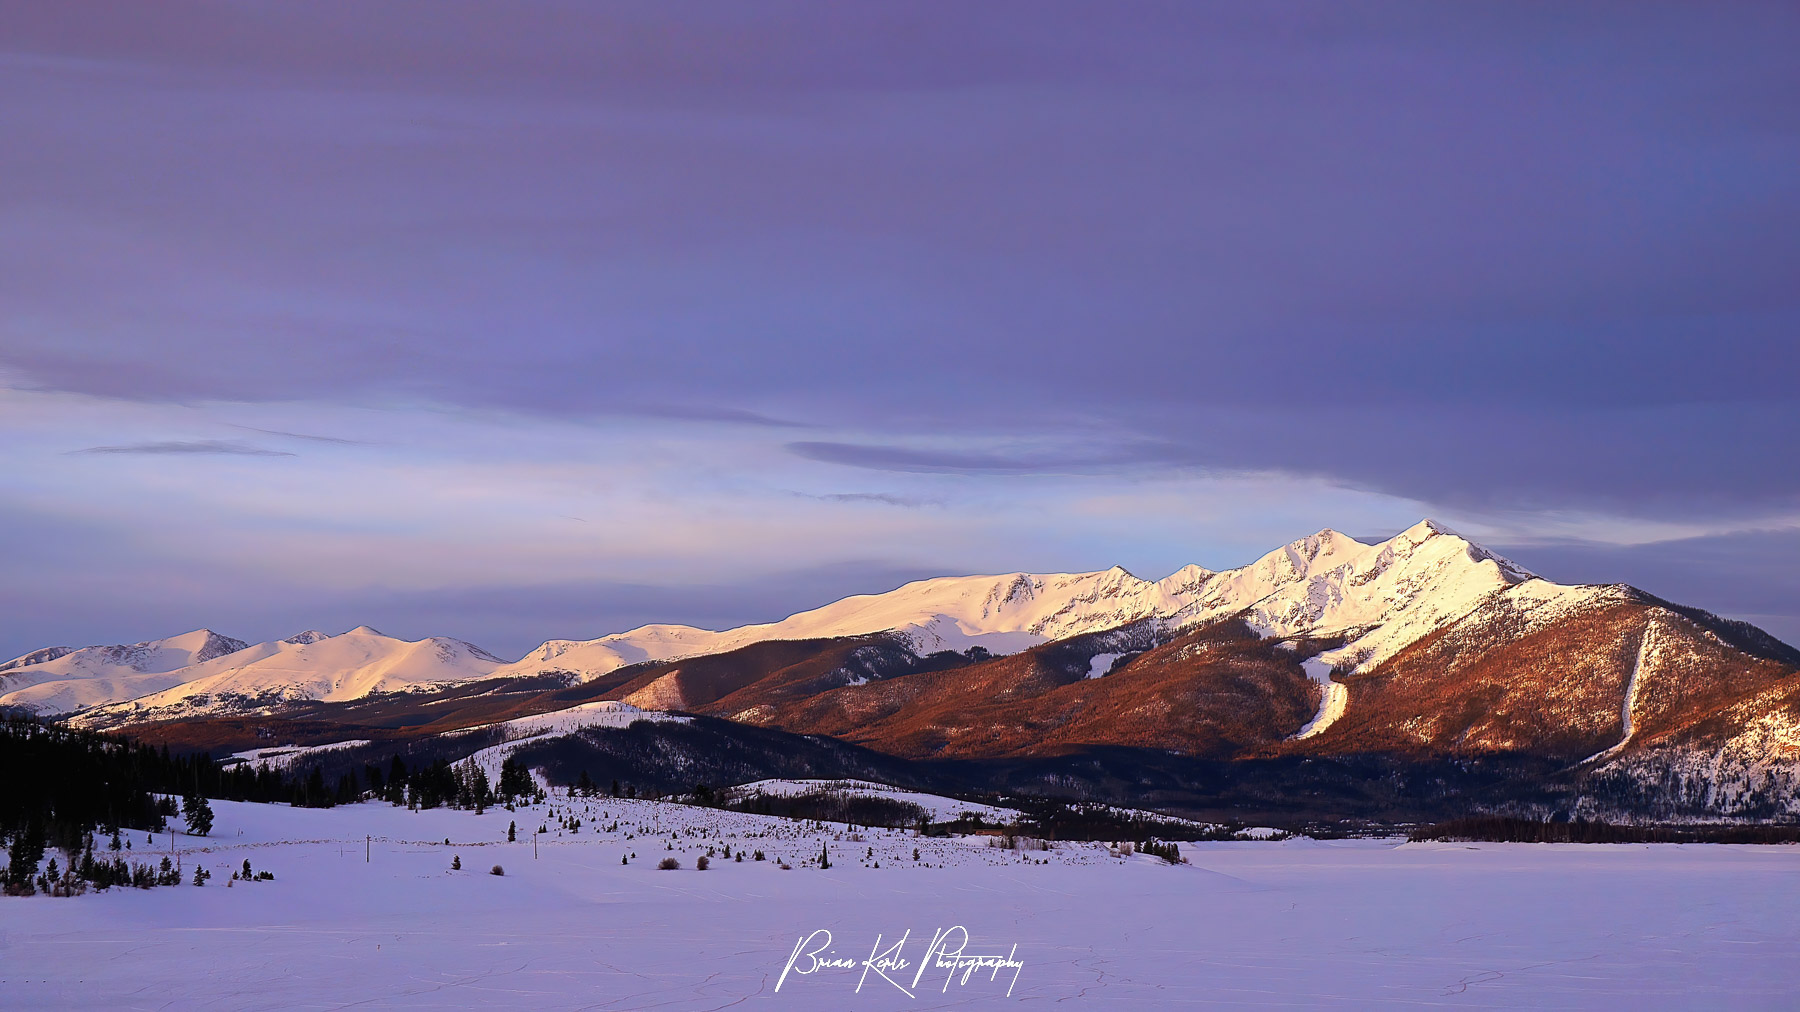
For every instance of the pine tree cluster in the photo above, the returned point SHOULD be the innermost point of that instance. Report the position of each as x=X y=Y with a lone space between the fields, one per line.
x=443 y=784
x=1167 y=851
x=63 y=785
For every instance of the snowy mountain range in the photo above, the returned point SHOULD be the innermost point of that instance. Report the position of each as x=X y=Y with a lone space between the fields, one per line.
x=1390 y=593
x=1424 y=648
x=202 y=671
x=1386 y=594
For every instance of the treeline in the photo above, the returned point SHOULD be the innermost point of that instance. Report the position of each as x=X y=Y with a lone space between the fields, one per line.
x=68 y=782
x=832 y=806
x=1513 y=829
x=61 y=786
x=436 y=784
x=1053 y=819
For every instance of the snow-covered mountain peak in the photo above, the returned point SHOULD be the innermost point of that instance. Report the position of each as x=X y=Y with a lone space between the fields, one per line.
x=40 y=656
x=1373 y=597
x=1384 y=595
x=1324 y=582
x=58 y=679
x=1431 y=535
x=148 y=657
x=1185 y=580
x=332 y=668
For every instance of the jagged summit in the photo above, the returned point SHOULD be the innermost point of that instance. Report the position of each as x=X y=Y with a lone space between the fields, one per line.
x=1325 y=581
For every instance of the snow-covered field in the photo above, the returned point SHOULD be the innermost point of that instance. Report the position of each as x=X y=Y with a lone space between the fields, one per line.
x=1297 y=923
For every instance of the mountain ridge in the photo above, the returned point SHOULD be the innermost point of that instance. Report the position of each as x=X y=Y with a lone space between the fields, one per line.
x=1356 y=605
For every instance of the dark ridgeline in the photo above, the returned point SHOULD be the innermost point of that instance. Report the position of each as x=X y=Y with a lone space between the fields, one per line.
x=1510 y=829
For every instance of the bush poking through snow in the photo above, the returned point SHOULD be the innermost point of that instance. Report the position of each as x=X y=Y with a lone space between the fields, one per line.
x=668 y=864
x=703 y=863
x=456 y=862
x=496 y=870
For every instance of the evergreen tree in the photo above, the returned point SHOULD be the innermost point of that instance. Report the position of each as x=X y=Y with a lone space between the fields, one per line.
x=198 y=814
x=396 y=781
x=22 y=859
x=312 y=793
x=512 y=832
x=515 y=780
x=824 y=857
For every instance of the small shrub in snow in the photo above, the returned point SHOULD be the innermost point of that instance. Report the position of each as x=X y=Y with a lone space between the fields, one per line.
x=703 y=863
x=668 y=864
x=496 y=870
x=456 y=862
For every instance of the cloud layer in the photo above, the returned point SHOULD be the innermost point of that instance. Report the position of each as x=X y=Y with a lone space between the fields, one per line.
x=1052 y=271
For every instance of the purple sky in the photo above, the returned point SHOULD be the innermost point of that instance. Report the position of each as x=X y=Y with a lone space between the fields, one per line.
x=511 y=321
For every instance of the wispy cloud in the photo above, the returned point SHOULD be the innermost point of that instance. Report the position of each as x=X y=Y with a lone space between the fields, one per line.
x=1056 y=460
x=734 y=416
x=219 y=447
x=333 y=440
x=886 y=498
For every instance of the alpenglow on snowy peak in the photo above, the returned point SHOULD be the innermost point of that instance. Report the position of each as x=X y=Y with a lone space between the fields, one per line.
x=62 y=679
x=1328 y=582
x=310 y=665
x=1376 y=597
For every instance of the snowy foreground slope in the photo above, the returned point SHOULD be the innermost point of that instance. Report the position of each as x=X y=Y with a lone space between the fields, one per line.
x=1362 y=924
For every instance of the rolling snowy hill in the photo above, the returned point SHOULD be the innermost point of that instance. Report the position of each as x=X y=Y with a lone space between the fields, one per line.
x=310 y=666
x=63 y=679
